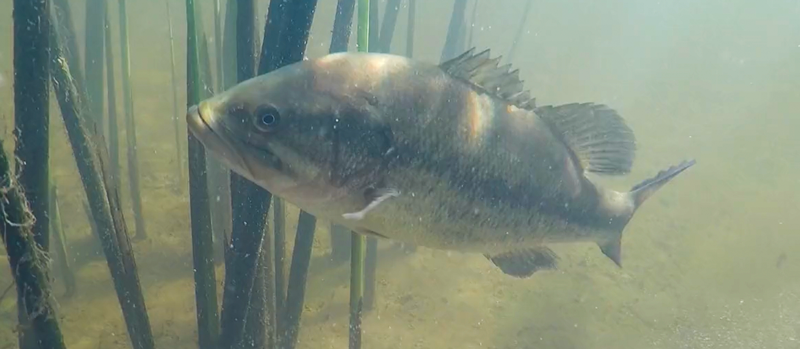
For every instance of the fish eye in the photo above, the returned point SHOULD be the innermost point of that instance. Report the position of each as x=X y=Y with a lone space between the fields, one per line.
x=266 y=118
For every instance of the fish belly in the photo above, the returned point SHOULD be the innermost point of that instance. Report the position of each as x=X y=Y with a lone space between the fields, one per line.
x=429 y=213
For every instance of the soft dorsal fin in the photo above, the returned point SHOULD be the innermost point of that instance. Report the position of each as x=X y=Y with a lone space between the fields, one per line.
x=484 y=73
x=596 y=135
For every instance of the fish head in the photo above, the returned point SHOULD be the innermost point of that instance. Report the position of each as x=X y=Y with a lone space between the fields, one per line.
x=298 y=132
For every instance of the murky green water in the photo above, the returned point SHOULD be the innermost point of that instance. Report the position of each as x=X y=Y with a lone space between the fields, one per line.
x=710 y=262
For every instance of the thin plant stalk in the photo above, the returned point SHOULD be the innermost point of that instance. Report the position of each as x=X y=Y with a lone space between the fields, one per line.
x=518 y=35
x=244 y=298
x=462 y=39
x=340 y=243
x=279 y=230
x=28 y=262
x=93 y=65
x=298 y=275
x=104 y=206
x=60 y=243
x=259 y=331
x=218 y=173
x=143 y=339
x=383 y=45
x=249 y=205
x=31 y=109
x=358 y=250
x=222 y=179
x=472 y=24
x=342 y=24
x=297 y=19
x=411 y=27
x=31 y=130
x=377 y=43
x=175 y=113
x=63 y=16
x=130 y=126
x=370 y=272
x=358 y=241
x=454 y=31
x=374 y=23
x=113 y=126
x=202 y=240
x=228 y=54
x=87 y=211
x=272 y=35
x=218 y=46
x=388 y=25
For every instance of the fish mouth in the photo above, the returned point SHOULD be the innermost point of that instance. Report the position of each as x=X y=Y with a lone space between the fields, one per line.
x=204 y=126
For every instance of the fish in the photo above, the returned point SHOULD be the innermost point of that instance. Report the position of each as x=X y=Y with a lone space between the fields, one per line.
x=451 y=156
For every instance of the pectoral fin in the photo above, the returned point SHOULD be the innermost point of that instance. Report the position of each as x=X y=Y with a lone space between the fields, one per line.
x=373 y=197
x=523 y=263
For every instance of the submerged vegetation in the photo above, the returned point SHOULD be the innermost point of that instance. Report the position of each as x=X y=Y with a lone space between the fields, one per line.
x=264 y=291
x=266 y=274
x=259 y=286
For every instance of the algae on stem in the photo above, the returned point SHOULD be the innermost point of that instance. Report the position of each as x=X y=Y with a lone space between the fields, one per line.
x=102 y=196
x=31 y=127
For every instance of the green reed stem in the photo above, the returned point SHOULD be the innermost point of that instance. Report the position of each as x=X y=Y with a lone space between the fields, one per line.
x=358 y=248
x=113 y=120
x=342 y=24
x=60 y=245
x=102 y=197
x=31 y=132
x=93 y=63
x=455 y=31
x=411 y=27
x=202 y=240
x=176 y=115
x=130 y=125
x=471 y=35
x=28 y=263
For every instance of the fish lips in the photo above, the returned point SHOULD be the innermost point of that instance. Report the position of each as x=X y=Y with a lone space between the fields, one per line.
x=257 y=164
x=204 y=127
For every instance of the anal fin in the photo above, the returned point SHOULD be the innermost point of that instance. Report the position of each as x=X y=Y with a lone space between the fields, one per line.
x=523 y=263
x=613 y=250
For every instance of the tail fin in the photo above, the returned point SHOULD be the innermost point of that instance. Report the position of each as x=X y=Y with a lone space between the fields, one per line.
x=612 y=248
x=640 y=192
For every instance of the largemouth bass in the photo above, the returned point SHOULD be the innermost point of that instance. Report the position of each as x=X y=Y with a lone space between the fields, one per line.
x=455 y=156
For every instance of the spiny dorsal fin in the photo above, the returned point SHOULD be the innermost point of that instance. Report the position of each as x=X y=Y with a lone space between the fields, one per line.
x=596 y=134
x=483 y=72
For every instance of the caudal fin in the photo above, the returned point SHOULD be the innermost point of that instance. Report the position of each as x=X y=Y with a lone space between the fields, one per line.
x=612 y=248
x=640 y=192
